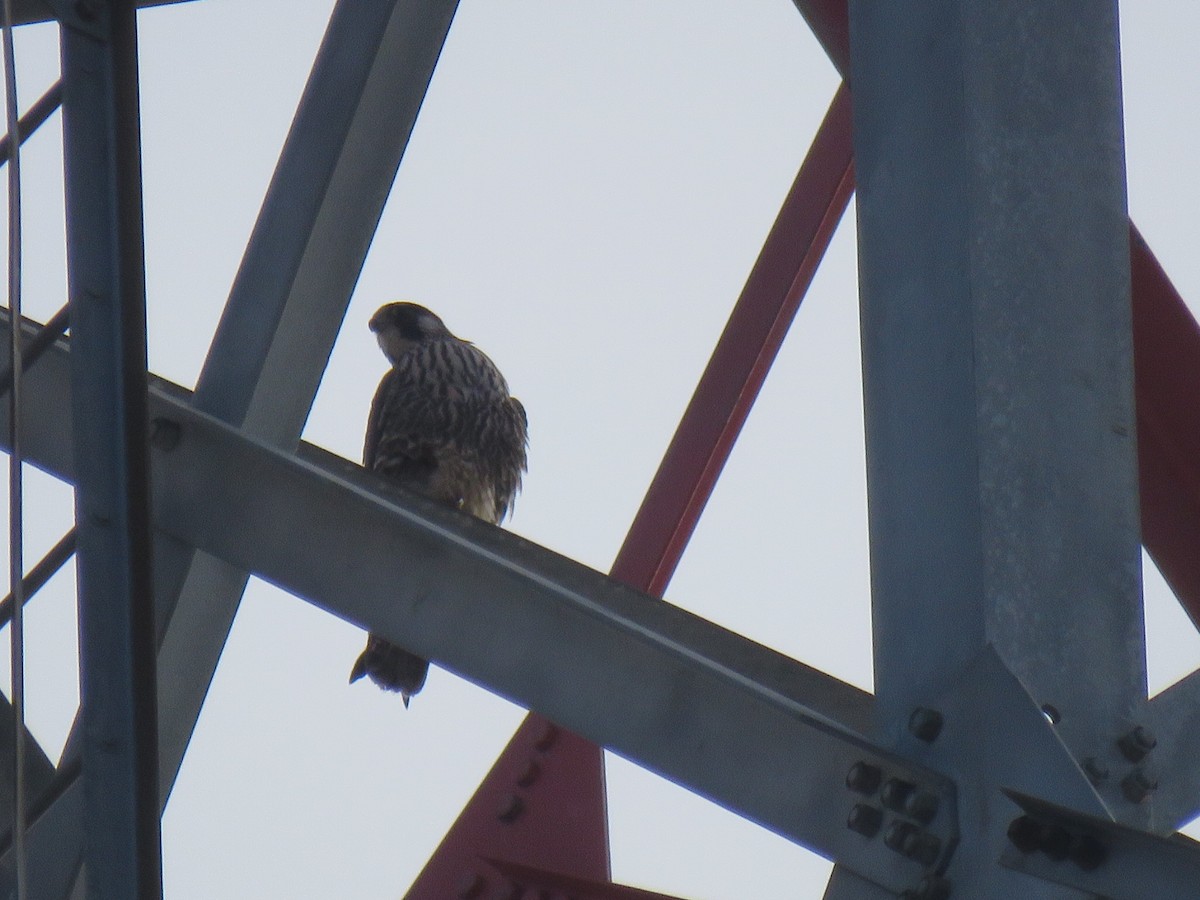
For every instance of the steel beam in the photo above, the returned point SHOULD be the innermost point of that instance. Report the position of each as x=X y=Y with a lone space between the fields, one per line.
x=290 y=295
x=1167 y=357
x=1175 y=724
x=287 y=304
x=743 y=356
x=685 y=478
x=690 y=700
x=106 y=278
x=1099 y=857
x=998 y=380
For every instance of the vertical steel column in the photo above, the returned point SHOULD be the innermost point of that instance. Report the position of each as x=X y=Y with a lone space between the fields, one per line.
x=108 y=381
x=994 y=261
x=998 y=383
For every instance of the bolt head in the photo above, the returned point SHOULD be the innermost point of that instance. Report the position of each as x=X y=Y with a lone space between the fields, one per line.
x=510 y=809
x=922 y=806
x=925 y=724
x=923 y=847
x=471 y=886
x=530 y=774
x=864 y=819
x=1138 y=785
x=1137 y=743
x=1088 y=853
x=897 y=834
x=1025 y=832
x=895 y=794
x=1095 y=769
x=933 y=887
x=864 y=778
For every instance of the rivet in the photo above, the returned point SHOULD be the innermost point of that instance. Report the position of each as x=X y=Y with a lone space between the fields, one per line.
x=925 y=724
x=1136 y=743
x=922 y=806
x=922 y=846
x=510 y=809
x=1025 y=833
x=548 y=737
x=471 y=886
x=864 y=819
x=897 y=834
x=1096 y=771
x=1088 y=853
x=1138 y=785
x=933 y=887
x=531 y=774
x=864 y=778
x=895 y=793
x=1055 y=842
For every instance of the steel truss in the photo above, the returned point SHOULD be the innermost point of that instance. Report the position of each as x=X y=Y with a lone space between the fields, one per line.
x=1009 y=747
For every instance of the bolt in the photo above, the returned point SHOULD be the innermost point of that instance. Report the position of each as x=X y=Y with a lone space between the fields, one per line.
x=922 y=846
x=548 y=737
x=471 y=886
x=865 y=820
x=864 y=778
x=895 y=794
x=1087 y=852
x=510 y=809
x=1138 y=785
x=531 y=774
x=1096 y=770
x=922 y=806
x=933 y=887
x=165 y=434
x=1137 y=743
x=925 y=724
x=1055 y=842
x=897 y=834
x=1025 y=832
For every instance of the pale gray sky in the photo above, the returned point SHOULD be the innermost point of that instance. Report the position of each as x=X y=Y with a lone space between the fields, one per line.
x=584 y=194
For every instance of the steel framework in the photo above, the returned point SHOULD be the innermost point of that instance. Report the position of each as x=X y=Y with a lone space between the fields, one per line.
x=1028 y=427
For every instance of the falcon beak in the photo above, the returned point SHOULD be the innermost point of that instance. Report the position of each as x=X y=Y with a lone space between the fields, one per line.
x=405 y=698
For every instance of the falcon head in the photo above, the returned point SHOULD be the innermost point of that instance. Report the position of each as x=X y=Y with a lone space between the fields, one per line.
x=401 y=326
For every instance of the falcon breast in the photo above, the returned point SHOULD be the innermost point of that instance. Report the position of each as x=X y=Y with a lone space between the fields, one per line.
x=443 y=424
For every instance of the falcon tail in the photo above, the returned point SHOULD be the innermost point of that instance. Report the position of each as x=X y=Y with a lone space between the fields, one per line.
x=392 y=668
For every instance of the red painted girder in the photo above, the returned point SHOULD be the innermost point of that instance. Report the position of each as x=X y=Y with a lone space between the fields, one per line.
x=542 y=805
x=744 y=353
x=561 y=823
x=830 y=24
x=528 y=883
x=1166 y=350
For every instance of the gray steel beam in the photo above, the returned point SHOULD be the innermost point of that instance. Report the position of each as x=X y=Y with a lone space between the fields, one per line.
x=1098 y=856
x=998 y=383
x=28 y=12
x=106 y=277
x=1175 y=723
x=705 y=707
x=287 y=304
x=290 y=296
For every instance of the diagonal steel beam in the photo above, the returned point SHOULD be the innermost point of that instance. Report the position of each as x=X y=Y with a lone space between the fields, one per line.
x=697 y=703
x=290 y=296
x=1166 y=346
x=287 y=304
x=702 y=443
x=743 y=356
x=1175 y=720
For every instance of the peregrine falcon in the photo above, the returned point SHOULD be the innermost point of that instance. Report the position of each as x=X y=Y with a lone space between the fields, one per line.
x=443 y=424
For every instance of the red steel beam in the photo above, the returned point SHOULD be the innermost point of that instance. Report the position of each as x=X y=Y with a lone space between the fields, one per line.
x=556 y=821
x=1166 y=353
x=528 y=882
x=742 y=358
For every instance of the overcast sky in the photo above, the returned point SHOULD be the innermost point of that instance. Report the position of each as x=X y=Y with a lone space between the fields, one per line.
x=584 y=194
